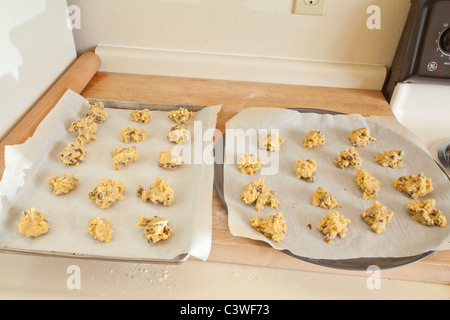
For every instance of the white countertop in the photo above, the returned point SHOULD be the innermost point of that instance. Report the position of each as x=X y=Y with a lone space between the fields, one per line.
x=27 y=277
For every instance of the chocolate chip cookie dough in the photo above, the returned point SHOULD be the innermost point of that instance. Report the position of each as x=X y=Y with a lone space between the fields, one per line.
x=132 y=134
x=179 y=134
x=141 y=116
x=124 y=156
x=249 y=163
x=155 y=228
x=274 y=227
x=322 y=198
x=426 y=213
x=100 y=229
x=377 y=216
x=97 y=112
x=313 y=139
x=33 y=223
x=361 y=137
x=367 y=183
x=390 y=158
x=159 y=192
x=414 y=185
x=333 y=225
x=107 y=192
x=306 y=169
x=271 y=142
x=73 y=154
x=180 y=116
x=62 y=184
x=85 y=129
x=257 y=192
x=348 y=158
x=168 y=161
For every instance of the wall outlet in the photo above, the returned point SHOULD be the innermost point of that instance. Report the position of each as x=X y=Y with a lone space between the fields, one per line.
x=309 y=7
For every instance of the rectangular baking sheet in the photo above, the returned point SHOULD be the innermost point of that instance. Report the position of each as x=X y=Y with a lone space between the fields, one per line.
x=28 y=166
x=403 y=236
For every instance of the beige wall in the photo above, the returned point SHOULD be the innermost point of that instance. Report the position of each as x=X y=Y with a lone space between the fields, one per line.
x=261 y=28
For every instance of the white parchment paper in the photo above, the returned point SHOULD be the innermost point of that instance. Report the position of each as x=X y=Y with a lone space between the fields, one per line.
x=403 y=236
x=29 y=165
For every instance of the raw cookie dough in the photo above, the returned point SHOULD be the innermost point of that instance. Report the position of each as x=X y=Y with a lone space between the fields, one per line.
x=367 y=183
x=180 y=116
x=131 y=134
x=426 y=213
x=361 y=137
x=377 y=217
x=33 y=223
x=274 y=227
x=100 y=229
x=414 y=186
x=390 y=158
x=271 y=142
x=249 y=163
x=168 y=161
x=322 y=198
x=333 y=225
x=141 y=116
x=155 y=228
x=313 y=138
x=306 y=169
x=85 y=129
x=178 y=134
x=159 y=192
x=97 y=112
x=257 y=192
x=348 y=158
x=62 y=184
x=73 y=154
x=107 y=192
x=124 y=156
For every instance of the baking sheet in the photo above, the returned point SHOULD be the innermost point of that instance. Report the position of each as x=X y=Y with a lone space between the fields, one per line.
x=403 y=236
x=25 y=184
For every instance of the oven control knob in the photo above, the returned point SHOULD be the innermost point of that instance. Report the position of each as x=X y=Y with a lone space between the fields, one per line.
x=444 y=42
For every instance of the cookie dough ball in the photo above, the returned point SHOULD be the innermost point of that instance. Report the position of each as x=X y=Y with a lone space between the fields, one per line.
x=390 y=158
x=32 y=223
x=62 y=184
x=155 y=228
x=73 y=154
x=107 y=192
x=179 y=134
x=249 y=163
x=367 y=183
x=271 y=142
x=85 y=129
x=159 y=192
x=348 y=158
x=257 y=192
x=97 y=112
x=313 y=139
x=333 y=225
x=426 y=213
x=414 y=185
x=306 y=169
x=141 y=116
x=361 y=137
x=322 y=198
x=168 y=161
x=377 y=216
x=100 y=229
x=274 y=227
x=180 y=116
x=132 y=134
x=124 y=156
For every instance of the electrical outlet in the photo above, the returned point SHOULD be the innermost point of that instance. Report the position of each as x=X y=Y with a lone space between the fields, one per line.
x=309 y=7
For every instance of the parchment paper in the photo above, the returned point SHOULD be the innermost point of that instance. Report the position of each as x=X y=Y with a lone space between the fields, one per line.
x=403 y=236
x=29 y=165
